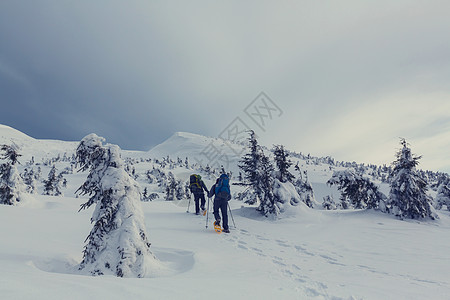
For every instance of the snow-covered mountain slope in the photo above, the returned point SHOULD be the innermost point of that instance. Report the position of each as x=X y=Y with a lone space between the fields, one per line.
x=9 y=134
x=214 y=152
x=30 y=147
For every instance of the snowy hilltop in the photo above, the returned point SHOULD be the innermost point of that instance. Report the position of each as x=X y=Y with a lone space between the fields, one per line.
x=78 y=216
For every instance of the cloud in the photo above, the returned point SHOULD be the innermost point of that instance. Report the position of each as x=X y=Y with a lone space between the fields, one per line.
x=136 y=72
x=369 y=132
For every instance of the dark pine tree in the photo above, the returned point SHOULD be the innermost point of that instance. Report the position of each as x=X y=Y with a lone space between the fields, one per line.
x=265 y=182
x=52 y=184
x=328 y=203
x=408 y=196
x=249 y=165
x=283 y=164
x=11 y=154
x=357 y=190
x=145 y=195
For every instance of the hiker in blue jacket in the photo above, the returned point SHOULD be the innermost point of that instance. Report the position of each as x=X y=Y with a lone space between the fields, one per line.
x=197 y=187
x=221 y=191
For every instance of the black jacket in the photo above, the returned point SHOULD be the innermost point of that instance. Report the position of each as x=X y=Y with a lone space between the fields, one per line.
x=199 y=190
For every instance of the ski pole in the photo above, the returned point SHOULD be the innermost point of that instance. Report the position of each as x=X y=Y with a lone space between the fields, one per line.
x=231 y=214
x=189 y=204
x=207 y=213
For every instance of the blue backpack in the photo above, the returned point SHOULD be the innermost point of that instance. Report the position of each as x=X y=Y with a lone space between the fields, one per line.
x=223 y=187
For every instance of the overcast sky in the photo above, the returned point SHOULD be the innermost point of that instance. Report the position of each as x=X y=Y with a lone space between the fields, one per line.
x=348 y=78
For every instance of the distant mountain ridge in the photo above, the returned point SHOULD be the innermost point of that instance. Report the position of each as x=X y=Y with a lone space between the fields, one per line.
x=30 y=147
x=211 y=151
x=214 y=152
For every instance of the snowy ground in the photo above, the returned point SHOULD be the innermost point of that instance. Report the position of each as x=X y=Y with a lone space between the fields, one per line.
x=306 y=254
x=312 y=255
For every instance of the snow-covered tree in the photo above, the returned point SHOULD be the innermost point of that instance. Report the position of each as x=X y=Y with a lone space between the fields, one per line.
x=11 y=154
x=29 y=178
x=53 y=184
x=357 y=190
x=440 y=179
x=328 y=203
x=118 y=243
x=265 y=184
x=305 y=189
x=171 y=187
x=180 y=191
x=283 y=163
x=443 y=197
x=408 y=195
x=148 y=197
x=249 y=165
x=306 y=192
x=11 y=184
x=259 y=177
x=175 y=189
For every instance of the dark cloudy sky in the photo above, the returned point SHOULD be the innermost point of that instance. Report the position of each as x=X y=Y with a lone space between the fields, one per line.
x=349 y=77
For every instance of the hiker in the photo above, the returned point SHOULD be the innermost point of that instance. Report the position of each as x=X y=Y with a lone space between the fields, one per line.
x=221 y=191
x=197 y=187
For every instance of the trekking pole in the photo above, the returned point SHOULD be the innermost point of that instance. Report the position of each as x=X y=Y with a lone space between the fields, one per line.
x=207 y=213
x=231 y=214
x=189 y=204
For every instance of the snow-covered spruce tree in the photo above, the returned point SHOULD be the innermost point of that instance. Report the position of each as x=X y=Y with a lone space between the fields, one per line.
x=441 y=179
x=29 y=178
x=306 y=192
x=11 y=184
x=150 y=176
x=357 y=190
x=249 y=165
x=52 y=186
x=170 y=187
x=117 y=244
x=265 y=183
x=443 y=197
x=408 y=195
x=180 y=191
x=304 y=189
x=148 y=197
x=328 y=203
x=175 y=189
x=283 y=163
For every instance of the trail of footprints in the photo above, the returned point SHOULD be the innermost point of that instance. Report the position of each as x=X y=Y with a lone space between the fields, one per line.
x=280 y=247
x=287 y=258
x=273 y=250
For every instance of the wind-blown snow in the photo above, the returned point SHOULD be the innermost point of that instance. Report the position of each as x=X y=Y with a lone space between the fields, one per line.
x=306 y=254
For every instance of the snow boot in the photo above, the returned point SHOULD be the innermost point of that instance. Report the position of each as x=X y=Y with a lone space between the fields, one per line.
x=217 y=227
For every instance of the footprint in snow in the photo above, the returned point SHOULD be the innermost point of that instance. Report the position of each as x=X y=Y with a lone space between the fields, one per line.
x=303 y=250
x=275 y=261
x=261 y=238
x=282 y=243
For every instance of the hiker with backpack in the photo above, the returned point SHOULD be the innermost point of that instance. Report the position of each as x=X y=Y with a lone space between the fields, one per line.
x=197 y=187
x=221 y=191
